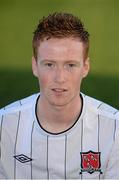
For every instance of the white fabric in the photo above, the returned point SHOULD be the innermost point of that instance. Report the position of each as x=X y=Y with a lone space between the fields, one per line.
x=58 y=156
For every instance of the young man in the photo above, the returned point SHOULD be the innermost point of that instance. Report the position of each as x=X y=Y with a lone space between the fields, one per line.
x=59 y=133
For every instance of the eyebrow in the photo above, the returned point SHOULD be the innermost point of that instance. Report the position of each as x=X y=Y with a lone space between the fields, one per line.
x=47 y=60
x=65 y=61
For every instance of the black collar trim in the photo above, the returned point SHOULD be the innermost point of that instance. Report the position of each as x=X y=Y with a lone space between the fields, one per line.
x=62 y=132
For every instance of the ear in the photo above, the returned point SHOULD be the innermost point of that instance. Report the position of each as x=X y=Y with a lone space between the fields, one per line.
x=86 y=67
x=34 y=66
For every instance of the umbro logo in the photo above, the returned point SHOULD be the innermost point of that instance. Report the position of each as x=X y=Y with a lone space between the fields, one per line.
x=22 y=158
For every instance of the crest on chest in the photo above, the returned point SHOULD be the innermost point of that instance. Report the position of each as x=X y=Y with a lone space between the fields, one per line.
x=90 y=162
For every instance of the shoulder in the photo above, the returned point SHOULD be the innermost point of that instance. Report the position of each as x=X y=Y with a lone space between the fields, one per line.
x=20 y=105
x=101 y=108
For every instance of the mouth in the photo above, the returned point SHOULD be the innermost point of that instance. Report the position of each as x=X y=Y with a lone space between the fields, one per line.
x=59 y=90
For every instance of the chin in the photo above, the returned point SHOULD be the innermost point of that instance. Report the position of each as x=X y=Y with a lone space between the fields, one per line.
x=60 y=103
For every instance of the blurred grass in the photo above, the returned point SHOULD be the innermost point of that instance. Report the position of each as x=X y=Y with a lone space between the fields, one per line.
x=18 y=20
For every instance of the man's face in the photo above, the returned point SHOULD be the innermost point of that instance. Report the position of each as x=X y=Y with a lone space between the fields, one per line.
x=60 y=68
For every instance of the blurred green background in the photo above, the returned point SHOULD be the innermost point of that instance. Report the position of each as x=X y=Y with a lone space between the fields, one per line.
x=18 y=20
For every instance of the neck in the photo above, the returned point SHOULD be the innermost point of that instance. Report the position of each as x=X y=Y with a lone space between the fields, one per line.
x=56 y=119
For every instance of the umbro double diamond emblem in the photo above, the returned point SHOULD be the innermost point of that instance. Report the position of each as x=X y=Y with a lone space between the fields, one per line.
x=22 y=158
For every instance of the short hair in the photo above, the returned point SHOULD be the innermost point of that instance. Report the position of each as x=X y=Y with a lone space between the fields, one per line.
x=60 y=25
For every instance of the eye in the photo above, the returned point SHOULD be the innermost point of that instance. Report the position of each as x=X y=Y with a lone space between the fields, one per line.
x=49 y=64
x=71 y=65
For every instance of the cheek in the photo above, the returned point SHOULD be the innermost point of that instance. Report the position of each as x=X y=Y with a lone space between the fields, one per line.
x=44 y=79
x=79 y=75
x=76 y=80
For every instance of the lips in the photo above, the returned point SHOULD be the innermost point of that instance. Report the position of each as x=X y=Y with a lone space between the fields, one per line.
x=59 y=90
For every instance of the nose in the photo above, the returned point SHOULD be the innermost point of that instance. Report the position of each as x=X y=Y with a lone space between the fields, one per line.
x=60 y=75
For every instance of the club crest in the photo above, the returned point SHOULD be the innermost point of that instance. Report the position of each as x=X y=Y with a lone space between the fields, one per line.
x=90 y=162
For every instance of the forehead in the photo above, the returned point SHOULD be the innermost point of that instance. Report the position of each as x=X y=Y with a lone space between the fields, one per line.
x=65 y=48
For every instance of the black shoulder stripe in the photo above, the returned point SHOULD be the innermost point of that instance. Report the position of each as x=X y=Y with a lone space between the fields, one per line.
x=65 y=170
x=31 y=148
x=100 y=105
x=114 y=134
x=98 y=132
x=47 y=158
x=20 y=102
x=16 y=143
x=116 y=112
x=81 y=135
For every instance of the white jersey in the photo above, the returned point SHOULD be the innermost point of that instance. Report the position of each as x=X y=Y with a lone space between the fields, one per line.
x=87 y=150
